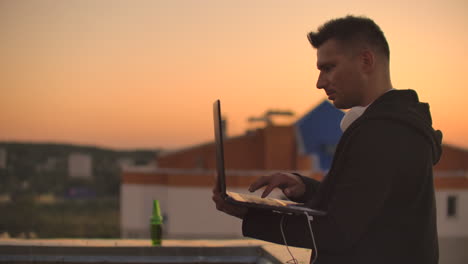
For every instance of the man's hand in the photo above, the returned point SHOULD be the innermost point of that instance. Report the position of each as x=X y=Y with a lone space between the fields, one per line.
x=230 y=209
x=291 y=185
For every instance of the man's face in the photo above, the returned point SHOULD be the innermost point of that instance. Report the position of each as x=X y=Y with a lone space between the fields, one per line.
x=340 y=75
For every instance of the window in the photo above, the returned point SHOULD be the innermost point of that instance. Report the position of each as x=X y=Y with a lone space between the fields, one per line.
x=452 y=206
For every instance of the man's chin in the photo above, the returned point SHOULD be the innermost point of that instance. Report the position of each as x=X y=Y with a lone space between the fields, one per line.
x=337 y=103
x=340 y=105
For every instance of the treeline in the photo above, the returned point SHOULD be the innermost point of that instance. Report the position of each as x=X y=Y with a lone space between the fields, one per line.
x=35 y=168
x=96 y=218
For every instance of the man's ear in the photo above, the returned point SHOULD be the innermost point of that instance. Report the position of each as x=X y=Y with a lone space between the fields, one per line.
x=367 y=60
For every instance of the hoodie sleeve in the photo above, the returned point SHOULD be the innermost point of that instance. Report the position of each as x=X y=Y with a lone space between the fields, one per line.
x=311 y=187
x=376 y=156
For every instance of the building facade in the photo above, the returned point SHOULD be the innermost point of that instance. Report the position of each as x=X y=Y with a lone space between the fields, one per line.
x=451 y=181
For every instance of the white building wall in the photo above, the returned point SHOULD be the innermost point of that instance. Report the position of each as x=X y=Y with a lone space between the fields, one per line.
x=192 y=214
x=453 y=230
x=189 y=212
x=136 y=208
x=452 y=226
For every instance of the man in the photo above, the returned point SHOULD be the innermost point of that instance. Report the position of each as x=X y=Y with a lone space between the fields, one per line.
x=379 y=193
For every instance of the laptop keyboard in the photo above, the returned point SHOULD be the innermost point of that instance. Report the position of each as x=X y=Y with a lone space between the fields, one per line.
x=248 y=198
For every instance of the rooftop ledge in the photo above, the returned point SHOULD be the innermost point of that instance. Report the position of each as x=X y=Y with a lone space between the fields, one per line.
x=140 y=251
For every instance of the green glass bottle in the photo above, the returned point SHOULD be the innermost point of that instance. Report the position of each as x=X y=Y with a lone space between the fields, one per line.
x=156 y=225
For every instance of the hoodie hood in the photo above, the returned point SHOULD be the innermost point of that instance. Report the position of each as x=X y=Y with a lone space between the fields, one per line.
x=403 y=106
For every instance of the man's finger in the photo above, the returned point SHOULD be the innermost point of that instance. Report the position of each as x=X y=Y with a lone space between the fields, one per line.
x=218 y=201
x=258 y=184
x=268 y=189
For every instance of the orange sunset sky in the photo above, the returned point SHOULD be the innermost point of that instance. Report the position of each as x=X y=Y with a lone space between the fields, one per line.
x=127 y=74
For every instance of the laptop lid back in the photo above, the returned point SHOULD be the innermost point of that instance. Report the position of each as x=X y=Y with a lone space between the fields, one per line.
x=218 y=129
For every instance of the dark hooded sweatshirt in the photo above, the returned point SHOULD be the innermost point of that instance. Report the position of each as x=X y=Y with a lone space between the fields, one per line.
x=378 y=194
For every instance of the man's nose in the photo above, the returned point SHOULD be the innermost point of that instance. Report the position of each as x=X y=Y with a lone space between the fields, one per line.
x=321 y=82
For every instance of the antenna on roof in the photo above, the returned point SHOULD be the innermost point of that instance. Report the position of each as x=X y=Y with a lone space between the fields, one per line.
x=267 y=116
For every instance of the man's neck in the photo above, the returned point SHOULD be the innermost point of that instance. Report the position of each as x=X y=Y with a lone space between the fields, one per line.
x=373 y=93
x=378 y=83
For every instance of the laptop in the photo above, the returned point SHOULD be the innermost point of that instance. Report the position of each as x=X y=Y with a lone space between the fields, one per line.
x=247 y=200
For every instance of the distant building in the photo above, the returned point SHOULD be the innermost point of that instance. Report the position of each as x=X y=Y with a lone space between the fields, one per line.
x=451 y=181
x=125 y=163
x=3 y=158
x=80 y=166
x=49 y=165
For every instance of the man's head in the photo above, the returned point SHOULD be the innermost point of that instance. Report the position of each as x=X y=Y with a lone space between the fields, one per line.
x=353 y=59
x=353 y=33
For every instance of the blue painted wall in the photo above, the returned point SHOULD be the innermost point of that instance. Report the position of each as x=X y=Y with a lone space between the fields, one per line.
x=319 y=132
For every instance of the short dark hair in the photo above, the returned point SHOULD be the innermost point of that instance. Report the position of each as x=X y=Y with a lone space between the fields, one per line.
x=351 y=30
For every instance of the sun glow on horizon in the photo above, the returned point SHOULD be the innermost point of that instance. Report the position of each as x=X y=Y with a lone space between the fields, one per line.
x=145 y=74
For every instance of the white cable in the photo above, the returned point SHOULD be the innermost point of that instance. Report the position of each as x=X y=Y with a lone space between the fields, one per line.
x=294 y=260
x=315 y=252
